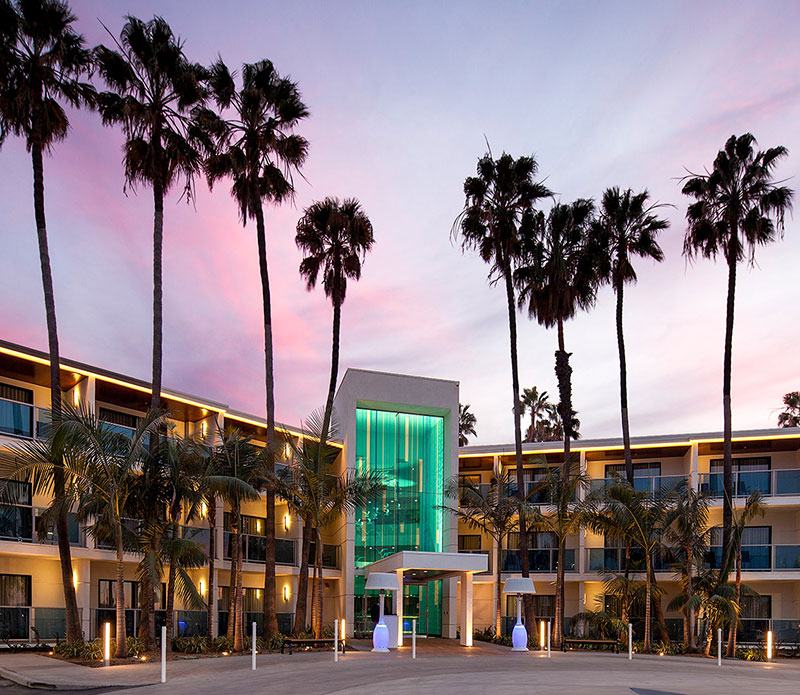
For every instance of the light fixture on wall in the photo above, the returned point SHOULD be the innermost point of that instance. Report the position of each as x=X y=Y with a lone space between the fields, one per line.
x=202 y=587
x=74 y=579
x=203 y=510
x=76 y=397
x=258 y=525
x=287 y=522
x=204 y=429
x=285 y=592
x=258 y=593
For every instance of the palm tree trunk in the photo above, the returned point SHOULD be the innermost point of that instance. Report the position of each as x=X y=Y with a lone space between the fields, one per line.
x=238 y=631
x=688 y=623
x=212 y=553
x=530 y=618
x=170 y=604
x=623 y=387
x=270 y=608
x=122 y=641
x=302 y=579
x=662 y=623
x=727 y=474
x=314 y=591
x=74 y=630
x=734 y=623
x=337 y=317
x=559 y=617
x=647 y=600
x=235 y=559
x=564 y=376
x=146 y=606
x=498 y=587
x=709 y=637
x=158 y=243
x=318 y=626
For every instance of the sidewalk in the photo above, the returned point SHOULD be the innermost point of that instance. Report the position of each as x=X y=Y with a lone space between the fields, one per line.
x=44 y=672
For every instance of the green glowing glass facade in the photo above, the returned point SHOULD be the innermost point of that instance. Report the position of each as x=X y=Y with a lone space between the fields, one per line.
x=408 y=451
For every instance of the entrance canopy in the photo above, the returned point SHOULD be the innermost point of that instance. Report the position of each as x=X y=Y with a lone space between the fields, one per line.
x=420 y=567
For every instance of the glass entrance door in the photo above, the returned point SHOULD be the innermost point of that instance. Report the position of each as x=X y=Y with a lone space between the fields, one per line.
x=423 y=602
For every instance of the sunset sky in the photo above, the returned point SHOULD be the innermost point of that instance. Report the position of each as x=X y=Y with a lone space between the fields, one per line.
x=402 y=97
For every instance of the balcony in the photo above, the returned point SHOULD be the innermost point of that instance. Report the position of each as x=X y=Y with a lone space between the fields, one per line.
x=254 y=549
x=330 y=555
x=658 y=484
x=543 y=560
x=19 y=419
x=613 y=560
x=759 y=558
x=771 y=483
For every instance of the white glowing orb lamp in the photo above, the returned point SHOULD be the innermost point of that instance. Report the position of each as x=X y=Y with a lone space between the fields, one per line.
x=383 y=582
x=519 y=586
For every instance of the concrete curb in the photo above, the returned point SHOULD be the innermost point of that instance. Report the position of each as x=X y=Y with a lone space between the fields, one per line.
x=42 y=684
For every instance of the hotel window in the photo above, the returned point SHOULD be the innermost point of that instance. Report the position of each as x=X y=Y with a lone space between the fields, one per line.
x=16 y=511
x=756 y=607
x=114 y=417
x=544 y=606
x=640 y=470
x=536 y=540
x=107 y=594
x=744 y=465
x=469 y=542
x=16 y=411
x=15 y=601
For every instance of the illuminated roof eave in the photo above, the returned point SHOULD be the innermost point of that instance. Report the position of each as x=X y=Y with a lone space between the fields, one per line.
x=67 y=365
x=647 y=442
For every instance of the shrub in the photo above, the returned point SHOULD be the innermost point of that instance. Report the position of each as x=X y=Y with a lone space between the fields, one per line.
x=751 y=653
x=195 y=644
x=223 y=644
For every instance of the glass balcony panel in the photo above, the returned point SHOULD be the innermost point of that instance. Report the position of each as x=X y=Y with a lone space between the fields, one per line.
x=16 y=522
x=15 y=622
x=756 y=557
x=787 y=482
x=746 y=482
x=284 y=551
x=16 y=419
x=787 y=557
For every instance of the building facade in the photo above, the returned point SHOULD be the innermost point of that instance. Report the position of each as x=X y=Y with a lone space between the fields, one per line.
x=405 y=429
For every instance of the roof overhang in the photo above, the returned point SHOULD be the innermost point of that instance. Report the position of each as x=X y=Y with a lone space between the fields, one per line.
x=419 y=567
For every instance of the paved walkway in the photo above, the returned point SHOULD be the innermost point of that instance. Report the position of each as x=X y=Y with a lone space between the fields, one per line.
x=439 y=668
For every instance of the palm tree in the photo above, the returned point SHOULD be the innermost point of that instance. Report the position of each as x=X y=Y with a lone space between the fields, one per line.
x=752 y=509
x=564 y=517
x=536 y=404
x=498 y=212
x=686 y=532
x=638 y=518
x=315 y=491
x=790 y=417
x=627 y=226
x=104 y=464
x=153 y=89
x=555 y=279
x=237 y=458
x=335 y=238
x=737 y=206
x=466 y=424
x=43 y=62
x=715 y=601
x=258 y=151
x=491 y=509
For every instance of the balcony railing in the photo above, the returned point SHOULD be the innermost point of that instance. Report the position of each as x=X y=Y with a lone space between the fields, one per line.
x=254 y=549
x=770 y=483
x=23 y=419
x=488 y=554
x=330 y=555
x=657 y=484
x=757 y=558
x=613 y=560
x=539 y=560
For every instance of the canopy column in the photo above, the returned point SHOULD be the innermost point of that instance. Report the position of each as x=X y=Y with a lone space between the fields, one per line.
x=466 y=609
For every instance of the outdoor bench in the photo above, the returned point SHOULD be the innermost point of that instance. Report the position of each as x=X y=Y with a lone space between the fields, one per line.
x=577 y=642
x=293 y=642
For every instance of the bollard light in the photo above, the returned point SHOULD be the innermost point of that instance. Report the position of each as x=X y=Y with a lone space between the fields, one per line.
x=107 y=643
x=253 y=642
x=344 y=631
x=336 y=639
x=769 y=644
x=541 y=635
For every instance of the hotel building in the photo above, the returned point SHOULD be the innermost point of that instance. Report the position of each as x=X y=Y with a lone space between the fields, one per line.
x=405 y=428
